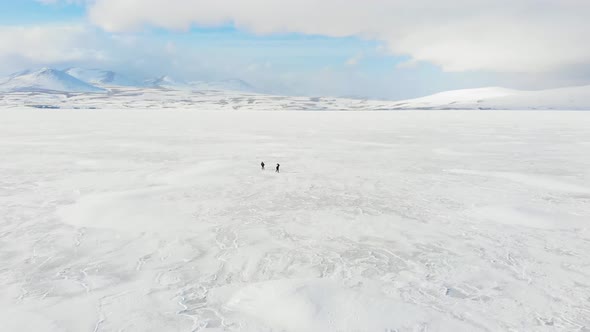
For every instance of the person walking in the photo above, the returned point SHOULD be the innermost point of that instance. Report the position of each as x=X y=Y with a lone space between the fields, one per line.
x=278 y=166
x=262 y=164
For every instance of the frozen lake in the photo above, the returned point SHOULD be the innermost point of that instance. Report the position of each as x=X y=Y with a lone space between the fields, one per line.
x=378 y=221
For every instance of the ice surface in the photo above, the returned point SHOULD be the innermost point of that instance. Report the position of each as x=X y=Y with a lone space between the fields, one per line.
x=380 y=221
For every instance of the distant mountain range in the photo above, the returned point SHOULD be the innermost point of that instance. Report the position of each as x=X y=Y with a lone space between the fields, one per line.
x=101 y=77
x=230 y=84
x=47 y=80
x=166 y=91
x=81 y=80
x=166 y=82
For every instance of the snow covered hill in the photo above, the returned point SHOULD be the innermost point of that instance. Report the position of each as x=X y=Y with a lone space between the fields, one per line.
x=169 y=83
x=101 y=77
x=464 y=96
x=224 y=85
x=45 y=88
x=46 y=80
x=205 y=97
x=166 y=82
x=572 y=98
x=75 y=79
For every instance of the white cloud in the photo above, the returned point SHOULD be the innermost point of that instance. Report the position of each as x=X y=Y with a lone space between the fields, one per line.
x=458 y=35
x=353 y=61
x=138 y=55
x=49 y=43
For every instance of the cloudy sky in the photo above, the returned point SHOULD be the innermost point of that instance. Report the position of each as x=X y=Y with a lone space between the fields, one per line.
x=372 y=48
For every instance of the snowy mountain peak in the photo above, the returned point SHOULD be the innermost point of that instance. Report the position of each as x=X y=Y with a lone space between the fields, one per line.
x=76 y=79
x=101 y=77
x=166 y=82
x=46 y=80
x=45 y=72
x=233 y=84
x=44 y=69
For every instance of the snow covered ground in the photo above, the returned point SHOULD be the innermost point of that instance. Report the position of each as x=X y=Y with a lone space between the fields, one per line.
x=166 y=93
x=156 y=98
x=495 y=98
x=379 y=221
x=79 y=88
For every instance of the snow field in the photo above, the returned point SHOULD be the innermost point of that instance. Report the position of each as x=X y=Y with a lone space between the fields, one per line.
x=163 y=221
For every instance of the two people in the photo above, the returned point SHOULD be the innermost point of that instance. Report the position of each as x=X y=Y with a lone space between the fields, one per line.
x=277 y=168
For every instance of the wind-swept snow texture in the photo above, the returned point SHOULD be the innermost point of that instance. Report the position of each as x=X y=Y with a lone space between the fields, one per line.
x=379 y=221
x=46 y=80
